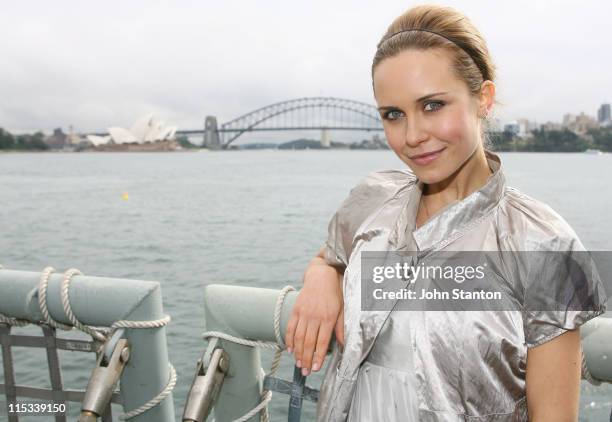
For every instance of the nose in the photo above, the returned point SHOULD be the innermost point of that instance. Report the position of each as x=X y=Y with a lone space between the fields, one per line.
x=415 y=132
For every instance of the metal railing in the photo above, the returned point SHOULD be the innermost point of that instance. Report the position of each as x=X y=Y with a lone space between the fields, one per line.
x=96 y=302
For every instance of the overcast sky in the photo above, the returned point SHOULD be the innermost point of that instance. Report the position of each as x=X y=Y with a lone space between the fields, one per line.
x=99 y=64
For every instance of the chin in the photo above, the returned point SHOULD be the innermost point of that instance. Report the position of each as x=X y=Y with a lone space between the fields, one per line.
x=430 y=177
x=432 y=173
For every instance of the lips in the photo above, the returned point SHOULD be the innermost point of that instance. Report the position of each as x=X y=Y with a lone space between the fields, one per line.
x=426 y=157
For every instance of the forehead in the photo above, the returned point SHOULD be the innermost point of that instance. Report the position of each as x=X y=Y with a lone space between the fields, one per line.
x=414 y=73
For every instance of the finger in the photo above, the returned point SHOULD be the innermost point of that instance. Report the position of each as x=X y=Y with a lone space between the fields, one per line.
x=339 y=329
x=325 y=333
x=310 y=341
x=298 y=340
x=290 y=332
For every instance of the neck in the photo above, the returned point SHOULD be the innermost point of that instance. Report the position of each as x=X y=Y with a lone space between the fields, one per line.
x=470 y=177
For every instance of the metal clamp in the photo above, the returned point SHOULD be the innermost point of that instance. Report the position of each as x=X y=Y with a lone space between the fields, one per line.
x=210 y=373
x=109 y=367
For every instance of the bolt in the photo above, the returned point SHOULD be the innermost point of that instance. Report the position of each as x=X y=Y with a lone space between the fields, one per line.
x=125 y=354
x=223 y=364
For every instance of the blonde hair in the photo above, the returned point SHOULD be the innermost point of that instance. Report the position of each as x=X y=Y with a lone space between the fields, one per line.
x=445 y=28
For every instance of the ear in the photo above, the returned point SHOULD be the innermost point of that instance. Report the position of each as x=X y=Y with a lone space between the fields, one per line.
x=487 y=98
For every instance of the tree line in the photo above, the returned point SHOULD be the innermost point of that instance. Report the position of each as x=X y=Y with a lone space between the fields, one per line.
x=553 y=141
x=541 y=141
x=29 y=142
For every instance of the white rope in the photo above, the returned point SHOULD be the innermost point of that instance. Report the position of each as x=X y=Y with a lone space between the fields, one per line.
x=278 y=346
x=586 y=374
x=96 y=334
x=238 y=340
x=13 y=321
x=156 y=323
x=100 y=334
x=261 y=407
x=42 y=300
x=103 y=336
x=156 y=400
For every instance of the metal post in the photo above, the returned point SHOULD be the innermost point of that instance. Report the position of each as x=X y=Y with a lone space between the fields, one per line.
x=245 y=312
x=100 y=301
x=596 y=335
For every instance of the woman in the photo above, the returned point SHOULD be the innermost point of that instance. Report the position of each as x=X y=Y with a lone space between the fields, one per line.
x=433 y=83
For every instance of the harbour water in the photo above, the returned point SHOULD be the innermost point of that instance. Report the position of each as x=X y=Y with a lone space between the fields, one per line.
x=250 y=218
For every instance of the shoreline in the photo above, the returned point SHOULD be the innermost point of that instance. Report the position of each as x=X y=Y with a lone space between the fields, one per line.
x=29 y=151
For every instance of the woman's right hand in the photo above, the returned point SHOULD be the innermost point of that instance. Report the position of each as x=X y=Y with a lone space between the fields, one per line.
x=318 y=311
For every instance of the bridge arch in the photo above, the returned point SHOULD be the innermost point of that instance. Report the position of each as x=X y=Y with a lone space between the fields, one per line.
x=364 y=116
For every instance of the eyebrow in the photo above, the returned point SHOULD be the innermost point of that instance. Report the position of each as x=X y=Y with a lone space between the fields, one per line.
x=423 y=98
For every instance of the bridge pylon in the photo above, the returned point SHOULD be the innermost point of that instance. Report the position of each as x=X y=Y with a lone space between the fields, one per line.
x=325 y=143
x=211 y=133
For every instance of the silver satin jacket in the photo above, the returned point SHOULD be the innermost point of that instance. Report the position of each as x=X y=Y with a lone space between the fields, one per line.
x=438 y=365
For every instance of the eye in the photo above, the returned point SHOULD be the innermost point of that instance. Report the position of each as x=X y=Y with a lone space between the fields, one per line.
x=392 y=115
x=438 y=105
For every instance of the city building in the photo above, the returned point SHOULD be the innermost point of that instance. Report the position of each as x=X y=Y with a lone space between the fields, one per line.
x=58 y=140
x=521 y=128
x=568 y=119
x=512 y=127
x=551 y=126
x=579 y=124
x=603 y=114
x=526 y=126
x=73 y=139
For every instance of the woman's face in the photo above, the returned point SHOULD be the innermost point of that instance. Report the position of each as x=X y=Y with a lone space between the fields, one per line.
x=425 y=109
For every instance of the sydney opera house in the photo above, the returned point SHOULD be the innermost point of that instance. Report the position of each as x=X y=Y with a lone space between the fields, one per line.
x=147 y=133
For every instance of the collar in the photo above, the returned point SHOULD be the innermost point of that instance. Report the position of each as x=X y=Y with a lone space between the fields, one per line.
x=452 y=221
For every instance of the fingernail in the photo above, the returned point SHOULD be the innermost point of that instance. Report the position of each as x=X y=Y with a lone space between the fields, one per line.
x=289 y=349
x=305 y=372
x=315 y=366
x=298 y=364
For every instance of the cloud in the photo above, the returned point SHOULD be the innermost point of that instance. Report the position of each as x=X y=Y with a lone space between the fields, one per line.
x=95 y=65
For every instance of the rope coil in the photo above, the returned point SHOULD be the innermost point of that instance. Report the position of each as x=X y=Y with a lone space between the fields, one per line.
x=156 y=400
x=586 y=374
x=97 y=333
x=278 y=346
x=13 y=321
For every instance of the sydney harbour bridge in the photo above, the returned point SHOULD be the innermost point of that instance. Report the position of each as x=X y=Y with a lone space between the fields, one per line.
x=309 y=113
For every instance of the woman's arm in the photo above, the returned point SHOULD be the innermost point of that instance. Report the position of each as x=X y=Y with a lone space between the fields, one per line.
x=318 y=310
x=553 y=379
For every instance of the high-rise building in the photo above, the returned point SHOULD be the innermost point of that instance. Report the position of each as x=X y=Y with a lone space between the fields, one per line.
x=526 y=126
x=568 y=119
x=579 y=124
x=603 y=114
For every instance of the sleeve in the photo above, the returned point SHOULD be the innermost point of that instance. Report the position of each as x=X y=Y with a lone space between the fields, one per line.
x=365 y=198
x=564 y=289
x=334 y=251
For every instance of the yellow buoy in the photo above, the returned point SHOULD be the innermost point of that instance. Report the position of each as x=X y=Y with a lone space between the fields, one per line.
x=125 y=196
